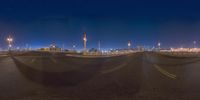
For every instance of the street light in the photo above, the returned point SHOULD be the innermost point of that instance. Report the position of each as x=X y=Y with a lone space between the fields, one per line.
x=99 y=45
x=9 y=40
x=85 y=41
x=74 y=46
x=129 y=44
x=159 y=44
x=194 y=42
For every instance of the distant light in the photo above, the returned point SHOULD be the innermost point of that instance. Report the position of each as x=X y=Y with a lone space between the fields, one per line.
x=129 y=43
x=10 y=45
x=10 y=40
x=74 y=46
x=159 y=44
x=84 y=39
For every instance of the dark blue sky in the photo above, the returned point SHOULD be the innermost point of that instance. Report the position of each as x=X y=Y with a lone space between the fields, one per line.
x=113 y=22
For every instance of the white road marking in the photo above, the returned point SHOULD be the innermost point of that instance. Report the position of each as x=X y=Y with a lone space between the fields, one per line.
x=164 y=72
x=33 y=60
x=53 y=60
x=114 y=69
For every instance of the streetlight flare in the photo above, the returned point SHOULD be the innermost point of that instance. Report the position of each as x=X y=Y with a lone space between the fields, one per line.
x=9 y=40
x=159 y=44
x=85 y=41
x=129 y=44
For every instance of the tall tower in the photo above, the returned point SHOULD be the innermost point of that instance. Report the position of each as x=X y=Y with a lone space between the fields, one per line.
x=129 y=44
x=85 y=41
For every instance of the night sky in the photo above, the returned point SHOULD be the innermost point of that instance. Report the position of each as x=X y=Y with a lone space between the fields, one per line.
x=39 y=23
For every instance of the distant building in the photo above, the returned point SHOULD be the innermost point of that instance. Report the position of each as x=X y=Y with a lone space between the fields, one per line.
x=44 y=49
x=94 y=51
x=185 y=49
x=140 y=48
x=70 y=51
x=52 y=48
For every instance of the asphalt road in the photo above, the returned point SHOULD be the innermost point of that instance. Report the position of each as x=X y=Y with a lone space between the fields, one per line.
x=138 y=76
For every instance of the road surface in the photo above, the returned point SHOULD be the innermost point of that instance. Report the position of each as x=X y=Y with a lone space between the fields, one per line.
x=137 y=76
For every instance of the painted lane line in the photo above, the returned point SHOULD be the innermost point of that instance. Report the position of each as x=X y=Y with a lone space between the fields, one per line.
x=114 y=69
x=164 y=72
x=53 y=60
x=33 y=60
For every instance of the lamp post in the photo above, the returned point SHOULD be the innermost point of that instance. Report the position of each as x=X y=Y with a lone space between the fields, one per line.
x=159 y=44
x=194 y=42
x=129 y=45
x=9 y=40
x=99 y=46
x=74 y=47
x=85 y=41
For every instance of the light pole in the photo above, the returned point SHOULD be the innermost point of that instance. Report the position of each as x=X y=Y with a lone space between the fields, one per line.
x=63 y=47
x=9 y=40
x=99 y=45
x=74 y=47
x=27 y=48
x=129 y=45
x=159 y=44
x=194 y=42
x=85 y=41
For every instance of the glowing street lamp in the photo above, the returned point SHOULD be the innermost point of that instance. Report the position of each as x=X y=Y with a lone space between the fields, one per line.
x=85 y=41
x=74 y=46
x=159 y=44
x=129 y=44
x=9 y=40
